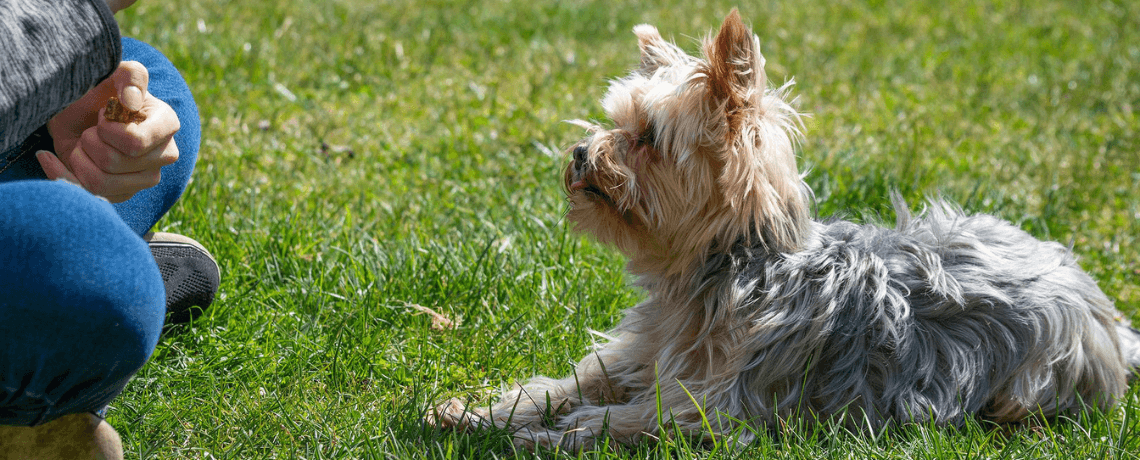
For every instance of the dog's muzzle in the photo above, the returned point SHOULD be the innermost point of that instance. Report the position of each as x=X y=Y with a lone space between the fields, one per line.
x=579 y=168
x=580 y=157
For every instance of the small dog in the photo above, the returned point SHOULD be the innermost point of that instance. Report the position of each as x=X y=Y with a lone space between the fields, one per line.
x=756 y=313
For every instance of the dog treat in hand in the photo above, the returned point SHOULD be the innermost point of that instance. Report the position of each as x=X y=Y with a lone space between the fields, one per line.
x=119 y=113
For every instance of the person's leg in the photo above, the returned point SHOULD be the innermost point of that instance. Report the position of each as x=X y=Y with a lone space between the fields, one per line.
x=143 y=210
x=81 y=302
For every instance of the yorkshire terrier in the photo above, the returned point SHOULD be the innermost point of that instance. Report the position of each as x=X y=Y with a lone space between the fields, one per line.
x=756 y=313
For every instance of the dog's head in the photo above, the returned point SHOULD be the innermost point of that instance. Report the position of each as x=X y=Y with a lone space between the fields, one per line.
x=700 y=156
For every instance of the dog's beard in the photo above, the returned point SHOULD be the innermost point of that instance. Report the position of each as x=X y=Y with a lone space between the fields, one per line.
x=700 y=156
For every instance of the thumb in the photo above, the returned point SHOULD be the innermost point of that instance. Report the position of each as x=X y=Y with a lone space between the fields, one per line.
x=130 y=81
x=55 y=169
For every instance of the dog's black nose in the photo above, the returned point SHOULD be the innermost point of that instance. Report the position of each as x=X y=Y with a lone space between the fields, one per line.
x=580 y=156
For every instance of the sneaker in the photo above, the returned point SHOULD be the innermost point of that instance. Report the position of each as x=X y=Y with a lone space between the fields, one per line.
x=190 y=273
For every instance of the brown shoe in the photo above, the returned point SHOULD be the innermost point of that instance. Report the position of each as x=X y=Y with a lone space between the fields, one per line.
x=190 y=273
x=76 y=436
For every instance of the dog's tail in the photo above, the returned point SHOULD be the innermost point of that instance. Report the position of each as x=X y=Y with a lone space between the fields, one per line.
x=1130 y=347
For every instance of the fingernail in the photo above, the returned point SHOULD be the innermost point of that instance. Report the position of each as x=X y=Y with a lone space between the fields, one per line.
x=40 y=155
x=132 y=98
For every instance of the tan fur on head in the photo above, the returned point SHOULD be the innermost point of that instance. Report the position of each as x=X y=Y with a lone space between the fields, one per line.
x=701 y=156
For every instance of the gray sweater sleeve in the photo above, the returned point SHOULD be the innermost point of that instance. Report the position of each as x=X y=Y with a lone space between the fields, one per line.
x=51 y=53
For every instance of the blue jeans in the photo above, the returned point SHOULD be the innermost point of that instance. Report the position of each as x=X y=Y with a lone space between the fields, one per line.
x=81 y=298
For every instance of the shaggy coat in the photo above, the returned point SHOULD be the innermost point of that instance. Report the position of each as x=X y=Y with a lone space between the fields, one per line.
x=755 y=313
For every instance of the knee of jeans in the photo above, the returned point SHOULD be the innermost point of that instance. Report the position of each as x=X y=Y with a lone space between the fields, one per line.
x=85 y=276
x=122 y=326
x=81 y=302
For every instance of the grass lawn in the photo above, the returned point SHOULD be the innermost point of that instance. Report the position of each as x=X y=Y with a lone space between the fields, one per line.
x=364 y=157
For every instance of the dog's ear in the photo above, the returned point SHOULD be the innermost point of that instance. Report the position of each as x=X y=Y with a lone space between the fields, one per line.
x=758 y=169
x=735 y=66
x=656 y=52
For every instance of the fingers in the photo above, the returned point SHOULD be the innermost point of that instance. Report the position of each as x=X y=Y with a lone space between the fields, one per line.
x=137 y=139
x=82 y=167
x=113 y=187
x=108 y=156
x=141 y=138
x=54 y=169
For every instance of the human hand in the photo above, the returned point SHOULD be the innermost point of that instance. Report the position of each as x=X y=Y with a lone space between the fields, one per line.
x=111 y=159
x=119 y=5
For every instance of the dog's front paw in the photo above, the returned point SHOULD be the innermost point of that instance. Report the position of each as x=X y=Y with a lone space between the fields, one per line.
x=454 y=414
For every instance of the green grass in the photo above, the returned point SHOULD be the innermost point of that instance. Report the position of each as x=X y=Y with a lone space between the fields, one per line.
x=363 y=156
